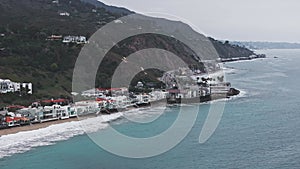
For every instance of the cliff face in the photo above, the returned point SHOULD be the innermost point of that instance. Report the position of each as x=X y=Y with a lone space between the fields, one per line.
x=26 y=55
x=227 y=50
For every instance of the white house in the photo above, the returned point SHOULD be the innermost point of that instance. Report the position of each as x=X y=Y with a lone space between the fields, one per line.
x=93 y=93
x=7 y=86
x=64 y=14
x=55 y=2
x=140 y=85
x=75 y=39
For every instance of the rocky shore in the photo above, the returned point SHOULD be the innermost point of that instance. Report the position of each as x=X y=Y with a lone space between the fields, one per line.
x=258 y=56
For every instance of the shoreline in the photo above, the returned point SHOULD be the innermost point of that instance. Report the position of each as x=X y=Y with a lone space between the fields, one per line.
x=37 y=126
x=254 y=57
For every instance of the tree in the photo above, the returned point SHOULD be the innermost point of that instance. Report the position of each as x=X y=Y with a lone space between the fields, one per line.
x=54 y=67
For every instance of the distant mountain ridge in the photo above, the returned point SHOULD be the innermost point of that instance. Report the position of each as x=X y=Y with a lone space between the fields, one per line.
x=267 y=45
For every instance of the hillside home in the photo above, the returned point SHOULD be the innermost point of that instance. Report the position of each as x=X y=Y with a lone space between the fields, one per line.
x=64 y=14
x=54 y=37
x=75 y=39
x=7 y=86
x=55 y=2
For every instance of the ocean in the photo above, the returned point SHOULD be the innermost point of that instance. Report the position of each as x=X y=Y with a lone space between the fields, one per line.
x=259 y=129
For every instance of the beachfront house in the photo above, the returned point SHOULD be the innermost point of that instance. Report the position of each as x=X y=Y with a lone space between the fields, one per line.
x=34 y=114
x=119 y=101
x=142 y=99
x=174 y=96
x=55 y=112
x=2 y=119
x=48 y=113
x=10 y=119
x=86 y=107
x=158 y=95
x=220 y=88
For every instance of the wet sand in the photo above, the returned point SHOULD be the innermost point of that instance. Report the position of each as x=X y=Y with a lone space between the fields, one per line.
x=34 y=126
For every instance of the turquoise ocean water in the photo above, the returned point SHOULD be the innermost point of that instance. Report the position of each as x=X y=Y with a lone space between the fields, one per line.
x=259 y=129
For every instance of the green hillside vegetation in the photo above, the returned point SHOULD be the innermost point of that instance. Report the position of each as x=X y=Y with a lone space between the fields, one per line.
x=227 y=50
x=26 y=55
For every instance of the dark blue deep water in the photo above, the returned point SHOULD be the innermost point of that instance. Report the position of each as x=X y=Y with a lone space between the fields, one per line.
x=260 y=129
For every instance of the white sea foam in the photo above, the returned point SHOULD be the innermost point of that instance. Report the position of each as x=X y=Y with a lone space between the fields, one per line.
x=252 y=60
x=242 y=94
x=144 y=115
x=25 y=141
x=229 y=70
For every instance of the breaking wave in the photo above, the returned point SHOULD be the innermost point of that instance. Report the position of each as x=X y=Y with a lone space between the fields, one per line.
x=25 y=141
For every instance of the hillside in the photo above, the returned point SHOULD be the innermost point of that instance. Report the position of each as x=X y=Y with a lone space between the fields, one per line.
x=227 y=50
x=26 y=55
x=112 y=9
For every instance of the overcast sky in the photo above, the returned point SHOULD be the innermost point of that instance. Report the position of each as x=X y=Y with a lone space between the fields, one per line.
x=247 y=20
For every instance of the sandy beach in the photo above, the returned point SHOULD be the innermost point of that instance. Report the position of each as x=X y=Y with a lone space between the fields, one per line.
x=35 y=126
